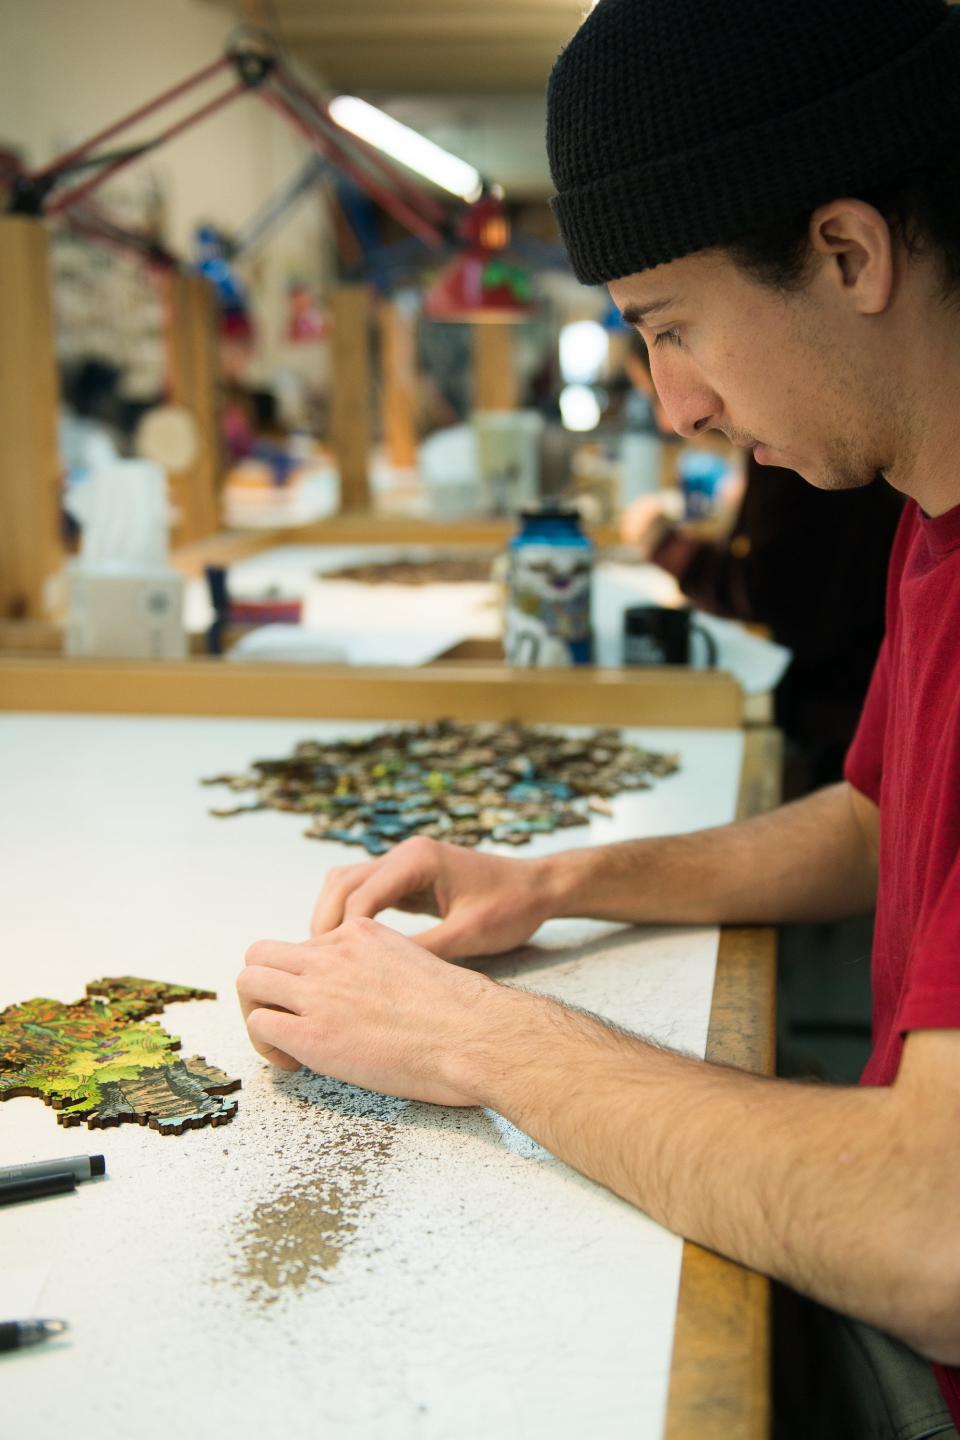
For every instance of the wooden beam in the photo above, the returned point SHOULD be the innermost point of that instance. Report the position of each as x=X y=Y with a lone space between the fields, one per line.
x=31 y=550
x=398 y=383
x=351 y=426
x=296 y=12
x=494 y=374
x=195 y=384
x=561 y=18
x=437 y=27
x=658 y=697
x=470 y=69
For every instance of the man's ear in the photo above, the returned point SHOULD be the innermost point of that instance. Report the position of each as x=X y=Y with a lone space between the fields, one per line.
x=856 y=241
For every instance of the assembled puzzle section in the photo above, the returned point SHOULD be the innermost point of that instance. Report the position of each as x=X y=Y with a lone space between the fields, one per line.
x=439 y=570
x=449 y=781
x=100 y=1060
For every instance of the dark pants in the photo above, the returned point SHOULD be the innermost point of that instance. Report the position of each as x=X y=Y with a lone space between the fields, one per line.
x=837 y=1379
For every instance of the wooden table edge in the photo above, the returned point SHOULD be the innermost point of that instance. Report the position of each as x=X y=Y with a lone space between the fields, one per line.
x=719 y=1372
x=669 y=696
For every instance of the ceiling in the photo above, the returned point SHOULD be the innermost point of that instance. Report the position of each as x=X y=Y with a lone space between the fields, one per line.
x=470 y=76
x=452 y=47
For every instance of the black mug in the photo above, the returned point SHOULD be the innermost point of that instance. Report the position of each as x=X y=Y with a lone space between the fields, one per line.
x=658 y=635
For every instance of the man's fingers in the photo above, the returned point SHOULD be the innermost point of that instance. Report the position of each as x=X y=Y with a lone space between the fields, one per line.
x=453 y=939
x=277 y=954
x=390 y=887
x=328 y=912
x=276 y=1035
x=400 y=878
x=260 y=985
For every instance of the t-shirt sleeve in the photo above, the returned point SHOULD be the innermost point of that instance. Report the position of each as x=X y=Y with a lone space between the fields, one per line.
x=932 y=998
x=863 y=767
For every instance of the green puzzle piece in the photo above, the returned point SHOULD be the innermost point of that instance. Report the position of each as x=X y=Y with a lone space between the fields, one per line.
x=100 y=1060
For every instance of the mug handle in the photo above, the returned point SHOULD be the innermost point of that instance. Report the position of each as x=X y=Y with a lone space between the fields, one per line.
x=710 y=643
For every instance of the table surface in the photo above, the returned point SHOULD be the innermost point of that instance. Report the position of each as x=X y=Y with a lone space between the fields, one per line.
x=394 y=1269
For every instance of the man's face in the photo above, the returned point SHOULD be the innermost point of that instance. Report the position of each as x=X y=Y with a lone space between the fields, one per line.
x=784 y=375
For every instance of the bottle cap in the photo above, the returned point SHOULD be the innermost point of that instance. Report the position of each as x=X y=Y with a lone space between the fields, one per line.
x=551 y=512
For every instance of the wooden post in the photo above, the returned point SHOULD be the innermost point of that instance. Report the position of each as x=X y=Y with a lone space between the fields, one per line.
x=398 y=383
x=31 y=549
x=351 y=423
x=494 y=379
x=195 y=384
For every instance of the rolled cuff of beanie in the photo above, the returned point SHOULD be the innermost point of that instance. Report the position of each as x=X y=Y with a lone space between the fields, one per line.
x=869 y=132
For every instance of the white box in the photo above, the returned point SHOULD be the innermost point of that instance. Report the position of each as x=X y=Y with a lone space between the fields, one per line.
x=125 y=614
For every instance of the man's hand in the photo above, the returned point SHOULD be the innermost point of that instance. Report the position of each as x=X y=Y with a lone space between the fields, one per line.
x=371 y=1007
x=648 y=521
x=486 y=904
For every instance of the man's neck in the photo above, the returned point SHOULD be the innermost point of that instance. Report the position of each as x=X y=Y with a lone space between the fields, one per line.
x=927 y=462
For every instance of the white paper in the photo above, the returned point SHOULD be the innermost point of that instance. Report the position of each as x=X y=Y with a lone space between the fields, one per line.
x=316 y=646
x=21 y=1287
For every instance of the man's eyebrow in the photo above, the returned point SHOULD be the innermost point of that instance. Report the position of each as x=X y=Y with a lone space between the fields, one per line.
x=638 y=314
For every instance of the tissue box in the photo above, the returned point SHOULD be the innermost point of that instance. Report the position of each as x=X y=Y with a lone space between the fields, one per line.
x=125 y=615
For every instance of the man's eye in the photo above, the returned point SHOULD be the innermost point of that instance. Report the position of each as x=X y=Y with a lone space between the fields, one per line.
x=667 y=337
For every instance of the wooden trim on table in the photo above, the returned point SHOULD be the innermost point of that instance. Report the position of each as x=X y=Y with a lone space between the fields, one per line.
x=658 y=697
x=719 y=1374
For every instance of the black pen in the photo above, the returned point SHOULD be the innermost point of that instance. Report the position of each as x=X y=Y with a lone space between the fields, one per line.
x=14 y=1334
x=85 y=1167
x=34 y=1189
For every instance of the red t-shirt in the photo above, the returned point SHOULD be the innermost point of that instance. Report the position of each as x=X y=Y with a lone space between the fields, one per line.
x=906 y=757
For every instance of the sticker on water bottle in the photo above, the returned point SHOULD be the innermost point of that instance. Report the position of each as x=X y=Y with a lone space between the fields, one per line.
x=548 y=615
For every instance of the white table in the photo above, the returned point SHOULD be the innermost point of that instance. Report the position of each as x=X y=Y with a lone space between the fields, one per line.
x=331 y=1263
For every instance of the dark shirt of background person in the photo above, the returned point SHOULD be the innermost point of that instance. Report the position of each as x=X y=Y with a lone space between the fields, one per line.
x=812 y=566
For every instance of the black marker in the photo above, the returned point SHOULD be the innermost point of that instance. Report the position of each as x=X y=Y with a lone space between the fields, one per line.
x=84 y=1167
x=33 y=1189
x=14 y=1334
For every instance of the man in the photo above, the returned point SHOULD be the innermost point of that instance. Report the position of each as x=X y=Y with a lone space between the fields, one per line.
x=825 y=340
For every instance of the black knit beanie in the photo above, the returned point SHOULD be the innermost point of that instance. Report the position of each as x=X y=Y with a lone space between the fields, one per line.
x=675 y=125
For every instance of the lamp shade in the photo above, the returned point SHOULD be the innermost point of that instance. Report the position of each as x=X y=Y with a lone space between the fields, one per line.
x=480 y=283
x=480 y=286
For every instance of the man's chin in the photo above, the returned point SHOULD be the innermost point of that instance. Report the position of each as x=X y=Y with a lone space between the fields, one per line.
x=772 y=460
x=835 y=478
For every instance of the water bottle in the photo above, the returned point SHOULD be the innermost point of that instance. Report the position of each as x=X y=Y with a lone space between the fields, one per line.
x=549 y=573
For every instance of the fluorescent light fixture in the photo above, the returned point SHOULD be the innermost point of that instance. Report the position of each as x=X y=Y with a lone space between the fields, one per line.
x=579 y=408
x=407 y=146
x=584 y=348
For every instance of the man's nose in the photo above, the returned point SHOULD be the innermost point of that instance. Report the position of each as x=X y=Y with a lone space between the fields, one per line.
x=690 y=406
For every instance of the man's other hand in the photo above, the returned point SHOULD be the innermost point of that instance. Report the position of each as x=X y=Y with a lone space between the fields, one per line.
x=486 y=904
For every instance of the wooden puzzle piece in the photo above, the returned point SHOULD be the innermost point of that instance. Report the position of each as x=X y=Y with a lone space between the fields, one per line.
x=449 y=781
x=101 y=1061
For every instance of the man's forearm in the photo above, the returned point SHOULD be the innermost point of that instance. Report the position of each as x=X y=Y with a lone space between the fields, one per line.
x=830 y=1189
x=812 y=860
